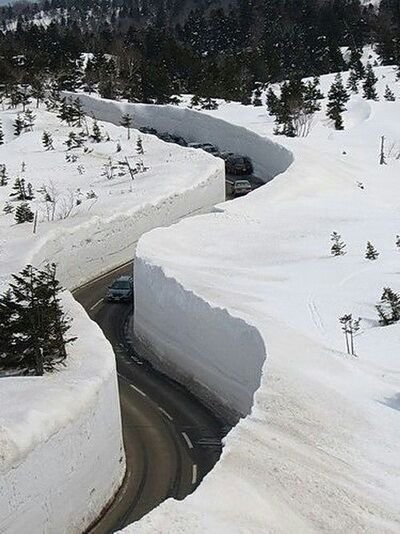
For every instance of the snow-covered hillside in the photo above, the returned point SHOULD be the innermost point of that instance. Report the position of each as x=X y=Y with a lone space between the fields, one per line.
x=319 y=451
x=56 y=430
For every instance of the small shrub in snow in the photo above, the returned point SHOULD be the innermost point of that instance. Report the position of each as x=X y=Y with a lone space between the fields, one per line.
x=1 y=134
x=338 y=246
x=33 y=325
x=3 y=175
x=371 y=253
x=23 y=213
x=71 y=158
x=139 y=147
x=208 y=103
x=369 y=91
x=398 y=241
x=389 y=307
x=75 y=140
x=109 y=169
x=350 y=327
x=47 y=141
x=119 y=147
x=91 y=195
x=8 y=208
x=127 y=121
x=389 y=95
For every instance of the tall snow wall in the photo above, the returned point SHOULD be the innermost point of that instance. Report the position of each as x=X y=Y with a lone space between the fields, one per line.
x=269 y=158
x=55 y=432
x=217 y=356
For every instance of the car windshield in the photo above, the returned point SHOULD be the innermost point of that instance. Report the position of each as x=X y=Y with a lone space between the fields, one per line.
x=121 y=284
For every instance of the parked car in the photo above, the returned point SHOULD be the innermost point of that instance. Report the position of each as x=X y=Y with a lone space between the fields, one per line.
x=195 y=145
x=121 y=290
x=238 y=165
x=147 y=130
x=241 y=187
x=211 y=149
x=179 y=140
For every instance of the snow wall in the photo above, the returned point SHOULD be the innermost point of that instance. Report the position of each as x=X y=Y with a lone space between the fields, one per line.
x=269 y=158
x=50 y=453
x=101 y=243
x=55 y=432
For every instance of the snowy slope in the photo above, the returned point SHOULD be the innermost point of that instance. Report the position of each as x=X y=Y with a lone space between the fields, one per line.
x=318 y=453
x=56 y=430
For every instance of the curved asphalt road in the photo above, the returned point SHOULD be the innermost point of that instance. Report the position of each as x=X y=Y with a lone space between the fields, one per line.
x=171 y=440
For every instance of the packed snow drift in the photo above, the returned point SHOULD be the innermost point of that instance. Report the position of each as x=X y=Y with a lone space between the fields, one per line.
x=88 y=205
x=319 y=451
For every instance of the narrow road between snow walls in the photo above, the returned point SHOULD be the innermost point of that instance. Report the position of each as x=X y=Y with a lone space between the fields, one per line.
x=171 y=441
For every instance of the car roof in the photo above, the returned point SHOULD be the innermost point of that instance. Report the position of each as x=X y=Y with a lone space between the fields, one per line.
x=123 y=278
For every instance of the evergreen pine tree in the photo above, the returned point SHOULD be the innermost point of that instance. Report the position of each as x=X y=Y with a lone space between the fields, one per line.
x=96 y=132
x=209 y=103
x=352 y=83
x=195 y=101
x=8 y=208
x=338 y=246
x=371 y=253
x=29 y=120
x=77 y=113
x=33 y=326
x=1 y=134
x=19 y=190
x=3 y=175
x=389 y=95
x=38 y=90
x=127 y=121
x=23 y=213
x=398 y=241
x=369 y=90
x=18 y=125
x=337 y=98
x=257 y=102
x=139 y=147
x=47 y=140
x=389 y=307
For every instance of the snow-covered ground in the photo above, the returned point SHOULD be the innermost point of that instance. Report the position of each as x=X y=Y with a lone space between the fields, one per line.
x=56 y=430
x=319 y=451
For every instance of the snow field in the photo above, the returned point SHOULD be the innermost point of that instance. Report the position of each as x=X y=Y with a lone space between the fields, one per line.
x=56 y=430
x=318 y=453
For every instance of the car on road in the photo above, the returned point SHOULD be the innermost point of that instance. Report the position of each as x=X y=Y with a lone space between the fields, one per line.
x=239 y=165
x=241 y=187
x=121 y=290
x=207 y=147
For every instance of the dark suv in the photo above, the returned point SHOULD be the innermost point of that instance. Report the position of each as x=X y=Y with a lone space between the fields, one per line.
x=239 y=165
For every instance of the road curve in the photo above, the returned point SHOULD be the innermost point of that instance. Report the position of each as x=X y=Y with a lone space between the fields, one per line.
x=171 y=440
